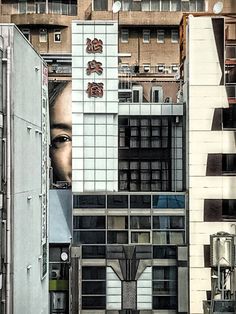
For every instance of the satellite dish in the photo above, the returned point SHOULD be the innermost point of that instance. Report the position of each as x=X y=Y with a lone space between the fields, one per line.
x=116 y=7
x=218 y=7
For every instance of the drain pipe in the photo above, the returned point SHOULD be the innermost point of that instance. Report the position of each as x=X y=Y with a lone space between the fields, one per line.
x=8 y=192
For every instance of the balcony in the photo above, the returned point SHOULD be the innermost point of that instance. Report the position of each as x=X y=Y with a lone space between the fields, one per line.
x=159 y=71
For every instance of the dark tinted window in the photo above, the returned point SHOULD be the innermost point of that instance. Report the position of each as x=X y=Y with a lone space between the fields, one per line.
x=94 y=302
x=93 y=251
x=229 y=163
x=91 y=287
x=89 y=201
x=229 y=209
x=89 y=237
x=119 y=237
x=89 y=222
x=93 y=272
x=164 y=252
x=117 y=201
x=140 y=201
x=140 y=222
x=165 y=302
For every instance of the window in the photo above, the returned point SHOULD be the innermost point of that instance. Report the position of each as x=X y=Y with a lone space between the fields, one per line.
x=165 y=5
x=140 y=201
x=117 y=237
x=145 y=5
x=23 y=6
x=26 y=33
x=43 y=35
x=93 y=251
x=117 y=201
x=89 y=222
x=89 y=201
x=160 y=36
x=124 y=35
x=229 y=163
x=168 y=201
x=175 y=5
x=165 y=252
x=93 y=287
x=140 y=237
x=229 y=117
x=228 y=209
x=117 y=222
x=100 y=5
x=164 y=287
x=89 y=237
x=140 y=222
x=146 y=36
x=174 y=36
x=57 y=36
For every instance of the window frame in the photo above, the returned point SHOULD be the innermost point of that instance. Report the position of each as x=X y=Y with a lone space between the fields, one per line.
x=43 y=32
x=160 y=33
x=124 y=32
x=57 y=32
x=173 y=36
x=146 y=32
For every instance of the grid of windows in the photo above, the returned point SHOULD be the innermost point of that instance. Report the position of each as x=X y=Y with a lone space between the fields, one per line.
x=144 y=132
x=146 y=164
x=157 y=230
x=164 y=5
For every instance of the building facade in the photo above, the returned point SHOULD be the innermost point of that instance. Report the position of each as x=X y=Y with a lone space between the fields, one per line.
x=24 y=176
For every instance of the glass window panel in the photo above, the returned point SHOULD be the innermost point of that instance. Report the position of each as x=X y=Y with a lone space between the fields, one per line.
x=164 y=287
x=140 y=237
x=134 y=175
x=93 y=302
x=156 y=186
x=159 y=237
x=156 y=122
x=145 y=5
x=175 y=5
x=89 y=237
x=117 y=201
x=165 y=252
x=89 y=222
x=156 y=131
x=134 y=122
x=155 y=5
x=93 y=273
x=176 y=237
x=164 y=273
x=165 y=302
x=167 y=222
x=145 y=176
x=160 y=201
x=156 y=175
x=119 y=237
x=93 y=287
x=140 y=222
x=134 y=186
x=123 y=165
x=117 y=222
x=89 y=201
x=93 y=251
x=165 y=5
x=126 y=5
x=140 y=201
x=134 y=131
x=134 y=165
x=168 y=201
x=134 y=142
x=100 y=5
x=156 y=142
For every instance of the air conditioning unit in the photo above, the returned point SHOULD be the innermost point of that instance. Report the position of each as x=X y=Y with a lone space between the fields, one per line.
x=55 y=274
x=146 y=68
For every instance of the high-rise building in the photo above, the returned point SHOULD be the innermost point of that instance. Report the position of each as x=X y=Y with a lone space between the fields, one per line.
x=24 y=175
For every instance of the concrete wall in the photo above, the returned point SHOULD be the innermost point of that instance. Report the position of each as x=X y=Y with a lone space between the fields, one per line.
x=29 y=290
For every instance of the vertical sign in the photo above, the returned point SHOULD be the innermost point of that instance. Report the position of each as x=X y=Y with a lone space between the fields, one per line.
x=94 y=106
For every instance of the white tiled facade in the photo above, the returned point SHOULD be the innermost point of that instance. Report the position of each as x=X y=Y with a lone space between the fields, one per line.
x=204 y=95
x=95 y=119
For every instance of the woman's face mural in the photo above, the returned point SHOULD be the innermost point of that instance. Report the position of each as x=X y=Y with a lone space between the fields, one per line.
x=61 y=131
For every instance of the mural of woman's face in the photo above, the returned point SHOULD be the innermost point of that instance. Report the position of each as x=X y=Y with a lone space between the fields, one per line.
x=61 y=134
